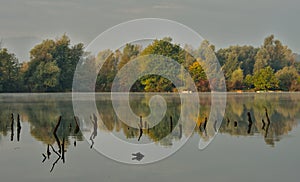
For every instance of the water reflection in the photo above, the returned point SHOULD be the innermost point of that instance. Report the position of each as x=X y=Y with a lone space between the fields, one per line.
x=51 y=119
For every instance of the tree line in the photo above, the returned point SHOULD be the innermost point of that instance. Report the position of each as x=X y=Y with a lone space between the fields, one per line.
x=272 y=66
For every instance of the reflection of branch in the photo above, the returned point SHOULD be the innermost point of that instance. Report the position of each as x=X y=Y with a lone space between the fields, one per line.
x=58 y=142
x=63 y=150
x=267 y=115
x=228 y=121
x=18 y=128
x=12 y=127
x=77 y=124
x=267 y=130
x=54 y=150
x=92 y=142
x=54 y=164
x=48 y=151
x=44 y=158
x=94 y=133
x=141 y=133
x=250 y=123
x=57 y=125
x=171 y=124
x=205 y=123
x=235 y=124
x=268 y=124
x=264 y=124
x=55 y=134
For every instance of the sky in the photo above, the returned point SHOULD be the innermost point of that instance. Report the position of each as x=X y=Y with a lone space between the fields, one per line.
x=24 y=23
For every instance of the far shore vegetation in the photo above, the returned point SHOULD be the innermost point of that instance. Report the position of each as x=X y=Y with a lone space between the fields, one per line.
x=270 y=67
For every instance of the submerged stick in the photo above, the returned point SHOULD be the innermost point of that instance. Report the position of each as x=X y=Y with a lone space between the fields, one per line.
x=57 y=125
x=141 y=121
x=12 y=127
x=228 y=121
x=264 y=124
x=76 y=119
x=268 y=122
x=171 y=124
x=267 y=115
x=205 y=123
x=235 y=124
x=18 y=127
x=63 y=150
x=250 y=123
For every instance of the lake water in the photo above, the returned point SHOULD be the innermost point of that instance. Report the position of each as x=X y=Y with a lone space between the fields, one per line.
x=264 y=151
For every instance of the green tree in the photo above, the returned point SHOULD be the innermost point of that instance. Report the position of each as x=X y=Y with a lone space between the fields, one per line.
x=9 y=71
x=234 y=56
x=108 y=70
x=165 y=48
x=248 y=81
x=286 y=77
x=199 y=76
x=265 y=79
x=231 y=64
x=129 y=52
x=272 y=53
x=237 y=79
x=57 y=53
x=46 y=76
x=66 y=57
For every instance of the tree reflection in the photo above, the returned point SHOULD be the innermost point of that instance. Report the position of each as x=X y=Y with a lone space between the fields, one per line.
x=270 y=116
x=274 y=115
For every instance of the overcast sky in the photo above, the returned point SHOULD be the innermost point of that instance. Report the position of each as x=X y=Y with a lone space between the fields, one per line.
x=23 y=23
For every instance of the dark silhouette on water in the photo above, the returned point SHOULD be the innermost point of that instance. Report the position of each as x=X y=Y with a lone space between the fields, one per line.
x=57 y=125
x=138 y=156
x=61 y=147
x=55 y=134
x=141 y=134
x=54 y=150
x=94 y=120
x=76 y=119
x=45 y=157
x=48 y=151
x=268 y=122
x=18 y=128
x=264 y=124
x=141 y=122
x=228 y=121
x=205 y=123
x=171 y=124
x=141 y=128
x=202 y=126
x=235 y=124
x=12 y=127
x=63 y=150
x=55 y=162
x=250 y=123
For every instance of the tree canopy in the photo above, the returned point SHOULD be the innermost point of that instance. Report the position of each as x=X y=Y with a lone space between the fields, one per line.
x=272 y=66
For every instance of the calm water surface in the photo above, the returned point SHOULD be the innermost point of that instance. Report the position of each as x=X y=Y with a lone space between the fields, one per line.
x=261 y=152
